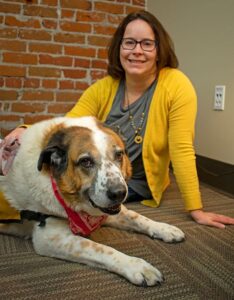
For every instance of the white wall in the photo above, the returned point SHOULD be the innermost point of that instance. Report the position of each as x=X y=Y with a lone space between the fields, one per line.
x=203 y=34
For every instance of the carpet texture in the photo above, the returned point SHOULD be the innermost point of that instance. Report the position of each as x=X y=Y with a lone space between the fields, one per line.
x=202 y=267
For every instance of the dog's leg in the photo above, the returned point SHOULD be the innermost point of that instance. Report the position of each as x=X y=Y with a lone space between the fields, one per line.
x=56 y=240
x=23 y=230
x=130 y=220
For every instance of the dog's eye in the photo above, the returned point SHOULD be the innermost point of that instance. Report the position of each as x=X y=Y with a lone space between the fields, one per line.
x=86 y=162
x=119 y=155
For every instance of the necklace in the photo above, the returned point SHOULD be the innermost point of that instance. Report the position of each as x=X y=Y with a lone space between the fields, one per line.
x=137 y=129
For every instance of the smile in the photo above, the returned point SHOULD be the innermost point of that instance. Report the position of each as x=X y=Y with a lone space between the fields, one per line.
x=112 y=210
x=136 y=61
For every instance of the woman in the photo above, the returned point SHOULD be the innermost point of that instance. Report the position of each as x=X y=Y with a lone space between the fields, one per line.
x=153 y=104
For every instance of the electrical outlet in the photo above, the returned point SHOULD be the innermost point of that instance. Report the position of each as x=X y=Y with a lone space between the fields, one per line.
x=219 y=97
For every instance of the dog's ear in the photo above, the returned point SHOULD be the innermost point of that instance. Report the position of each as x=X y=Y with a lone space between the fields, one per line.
x=126 y=168
x=54 y=156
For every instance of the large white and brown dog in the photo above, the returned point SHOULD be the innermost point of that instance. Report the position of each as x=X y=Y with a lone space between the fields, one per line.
x=70 y=176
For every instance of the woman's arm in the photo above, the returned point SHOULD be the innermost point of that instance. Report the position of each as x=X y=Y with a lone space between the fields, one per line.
x=181 y=133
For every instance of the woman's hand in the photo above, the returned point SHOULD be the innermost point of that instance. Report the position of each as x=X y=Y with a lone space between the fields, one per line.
x=8 y=149
x=211 y=219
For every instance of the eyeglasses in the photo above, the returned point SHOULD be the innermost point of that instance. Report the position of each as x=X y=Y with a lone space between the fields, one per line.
x=146 y=45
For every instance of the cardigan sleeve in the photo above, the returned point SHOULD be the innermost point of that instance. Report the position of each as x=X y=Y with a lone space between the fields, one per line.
x=96 y=100
x=182 y=115
x=87 y=105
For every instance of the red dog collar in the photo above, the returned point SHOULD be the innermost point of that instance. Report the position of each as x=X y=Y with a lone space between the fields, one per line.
x=80 y=223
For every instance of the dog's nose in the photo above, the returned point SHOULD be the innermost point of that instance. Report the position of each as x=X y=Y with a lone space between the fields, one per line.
x=116 y=194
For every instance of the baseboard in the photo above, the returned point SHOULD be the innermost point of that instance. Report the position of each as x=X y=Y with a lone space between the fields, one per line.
x=216 y=173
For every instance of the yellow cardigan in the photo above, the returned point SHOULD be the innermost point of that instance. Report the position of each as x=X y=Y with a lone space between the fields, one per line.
x=168 y=136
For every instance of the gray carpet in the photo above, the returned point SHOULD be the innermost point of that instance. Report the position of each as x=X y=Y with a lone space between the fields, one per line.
x=202 y=267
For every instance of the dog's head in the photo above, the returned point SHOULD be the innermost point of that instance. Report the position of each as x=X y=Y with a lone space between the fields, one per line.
x=89 y=164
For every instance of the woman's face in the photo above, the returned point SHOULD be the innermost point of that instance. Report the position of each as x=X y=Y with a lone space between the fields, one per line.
x=138 y=62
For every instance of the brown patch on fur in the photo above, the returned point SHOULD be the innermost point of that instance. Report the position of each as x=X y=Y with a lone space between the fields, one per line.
x=78 y=141
x=133 y=217
x=98 y=248
x=117 y=140
x=84 y=244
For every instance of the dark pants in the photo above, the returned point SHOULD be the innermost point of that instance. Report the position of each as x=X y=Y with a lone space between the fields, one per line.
x=133 y=196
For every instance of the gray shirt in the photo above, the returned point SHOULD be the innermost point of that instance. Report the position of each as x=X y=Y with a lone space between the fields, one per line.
x=119 y=117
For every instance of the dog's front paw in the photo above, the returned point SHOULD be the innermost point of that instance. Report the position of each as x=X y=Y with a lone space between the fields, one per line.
x=141 y=273
x=167 y=233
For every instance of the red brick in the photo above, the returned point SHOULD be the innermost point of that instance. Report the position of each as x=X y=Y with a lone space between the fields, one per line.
x=49 y=83
x=75 y=27
x=60 y=108
x=71 y=73
x=45 y=48
x=8 y=33
x=37 y=96
x=83 y=63
x=13 y=82
x=130 y=9
x=69 y=38
x=81 y=85
x=109 y=7
x=8 y=95
x=9 y=8
x=20 y=58
x=40 y=11
x=81 y=4
x=27 y=107
x=50 y=24
x=107 y=30
x=35 y=35
x=12 y=45
x=86 y=16
x=67 y=14
x=13 y=21
x=95 y=75
x=114 y=19
x=31 y=83
x=1 y=82
x=98 y=41
x=102 y=53
x=99 y=64
x=10 y=118
x=44 y=72
x=5 y=106
x=66 y=85
x=60 y=61
x=79 y=51
x=139 y=3
x=50 y=2
x=34 y=118
x=12 y=71
x=67 y=96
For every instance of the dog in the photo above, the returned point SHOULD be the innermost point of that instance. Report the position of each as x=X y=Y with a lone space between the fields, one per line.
x=69 y=177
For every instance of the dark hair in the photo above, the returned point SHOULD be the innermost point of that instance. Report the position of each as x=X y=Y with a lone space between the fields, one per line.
x=166 y=55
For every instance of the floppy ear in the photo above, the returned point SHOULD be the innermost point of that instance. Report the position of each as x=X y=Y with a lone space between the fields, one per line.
x=54 y=156
x=126 y=168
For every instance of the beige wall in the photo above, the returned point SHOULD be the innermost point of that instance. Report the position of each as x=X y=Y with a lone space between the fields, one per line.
x=203 y=33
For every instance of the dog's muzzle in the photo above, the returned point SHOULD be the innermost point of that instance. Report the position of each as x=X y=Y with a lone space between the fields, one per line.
x=115 y=195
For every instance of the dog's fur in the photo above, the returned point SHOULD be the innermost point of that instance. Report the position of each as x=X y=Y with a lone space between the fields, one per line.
x=89 y=164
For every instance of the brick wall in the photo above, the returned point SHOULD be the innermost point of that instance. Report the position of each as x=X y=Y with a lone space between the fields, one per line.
x=51 y=51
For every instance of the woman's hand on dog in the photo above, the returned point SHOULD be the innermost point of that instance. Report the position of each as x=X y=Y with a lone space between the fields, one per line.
x=211 y=219
x=8 y=149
